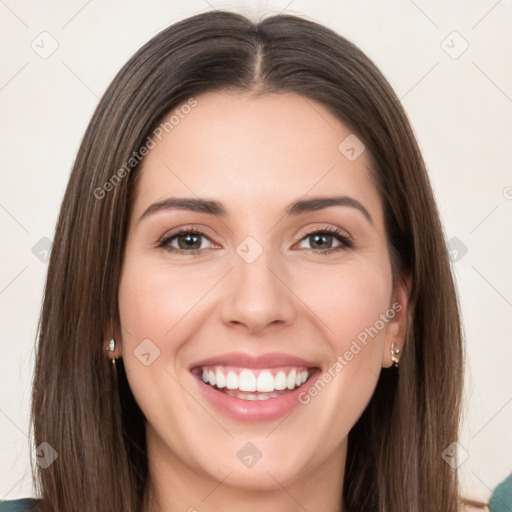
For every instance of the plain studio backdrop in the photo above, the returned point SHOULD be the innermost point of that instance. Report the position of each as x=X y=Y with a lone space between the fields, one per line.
x=449 y=62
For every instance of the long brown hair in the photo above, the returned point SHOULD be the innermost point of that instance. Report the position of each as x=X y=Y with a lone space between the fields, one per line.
x=88 y=414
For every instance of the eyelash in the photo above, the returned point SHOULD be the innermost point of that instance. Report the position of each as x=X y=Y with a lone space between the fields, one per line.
x=345 y=241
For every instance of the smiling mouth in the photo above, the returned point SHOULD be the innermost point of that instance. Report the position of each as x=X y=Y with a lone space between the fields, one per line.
x=253 y=384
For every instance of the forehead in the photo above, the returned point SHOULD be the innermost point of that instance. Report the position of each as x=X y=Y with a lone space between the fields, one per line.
x=252 y=151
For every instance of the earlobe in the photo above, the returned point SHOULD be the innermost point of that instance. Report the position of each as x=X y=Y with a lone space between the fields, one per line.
x=397 y=328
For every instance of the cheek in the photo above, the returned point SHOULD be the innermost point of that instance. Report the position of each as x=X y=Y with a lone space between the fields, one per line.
x=349 y=299
x=154 y=307
x=159 y=308
x=153 y=300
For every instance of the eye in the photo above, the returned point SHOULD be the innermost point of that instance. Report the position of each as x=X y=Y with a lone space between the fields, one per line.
x=321 y=240
x=187 y=241
x=193 y=241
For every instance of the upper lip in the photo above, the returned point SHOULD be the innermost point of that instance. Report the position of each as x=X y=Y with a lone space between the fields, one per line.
x=245 y=360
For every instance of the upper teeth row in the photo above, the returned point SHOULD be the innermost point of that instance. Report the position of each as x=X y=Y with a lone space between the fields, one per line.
x=246 y=380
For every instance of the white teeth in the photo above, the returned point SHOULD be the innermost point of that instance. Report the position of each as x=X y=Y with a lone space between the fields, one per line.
x=232 y=380
x=265 y=382
x=252 y=396
x=221 y=379
x=280 y=381
x=247 y=381
x=291 y=379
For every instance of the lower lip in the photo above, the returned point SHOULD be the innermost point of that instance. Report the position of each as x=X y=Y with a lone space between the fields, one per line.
x=254 y=410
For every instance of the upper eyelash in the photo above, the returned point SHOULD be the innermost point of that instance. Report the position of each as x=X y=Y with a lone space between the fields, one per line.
x=345 y=240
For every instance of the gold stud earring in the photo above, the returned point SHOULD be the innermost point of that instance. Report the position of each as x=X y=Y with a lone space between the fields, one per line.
x=395 y=351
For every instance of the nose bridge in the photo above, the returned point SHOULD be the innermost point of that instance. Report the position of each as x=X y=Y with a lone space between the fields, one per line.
x=257 y=298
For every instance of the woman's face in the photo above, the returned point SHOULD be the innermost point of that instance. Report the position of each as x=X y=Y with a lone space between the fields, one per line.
x=256 y=258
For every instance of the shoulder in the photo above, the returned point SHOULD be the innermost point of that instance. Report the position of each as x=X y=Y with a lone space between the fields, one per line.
x=501 y=499
x=23 y=505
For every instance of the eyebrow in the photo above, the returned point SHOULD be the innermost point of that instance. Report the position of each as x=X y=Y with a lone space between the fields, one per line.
x=217 y=209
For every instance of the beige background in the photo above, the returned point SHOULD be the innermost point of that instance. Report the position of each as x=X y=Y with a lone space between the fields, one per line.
x=460 y=104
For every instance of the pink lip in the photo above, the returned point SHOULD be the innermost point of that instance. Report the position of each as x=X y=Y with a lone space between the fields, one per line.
x=253 y=411
x=240 y=359
x=257 y=410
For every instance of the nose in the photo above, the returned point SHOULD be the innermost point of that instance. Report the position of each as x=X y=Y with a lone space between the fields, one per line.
x=257 y=296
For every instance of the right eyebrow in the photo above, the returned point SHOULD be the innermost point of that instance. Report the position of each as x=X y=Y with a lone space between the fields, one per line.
x=186 y=203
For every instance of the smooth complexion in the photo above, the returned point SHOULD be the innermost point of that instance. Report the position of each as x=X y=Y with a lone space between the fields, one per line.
x=255 y=156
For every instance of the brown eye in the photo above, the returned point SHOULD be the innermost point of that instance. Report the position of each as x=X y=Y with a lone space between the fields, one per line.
x=189 y=241
x=322 y=241
x=185 y=241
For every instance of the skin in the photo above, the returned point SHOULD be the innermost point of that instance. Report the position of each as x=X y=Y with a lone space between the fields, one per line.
x=255 y=155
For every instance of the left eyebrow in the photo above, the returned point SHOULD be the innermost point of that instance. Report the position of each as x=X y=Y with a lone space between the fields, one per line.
x=217 y=209
x=318 y=203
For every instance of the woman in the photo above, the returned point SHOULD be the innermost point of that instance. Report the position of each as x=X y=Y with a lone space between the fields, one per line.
x=249 y=235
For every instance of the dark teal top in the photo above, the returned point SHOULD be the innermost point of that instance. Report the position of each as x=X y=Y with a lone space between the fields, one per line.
x=501 y=500
x=24 y=505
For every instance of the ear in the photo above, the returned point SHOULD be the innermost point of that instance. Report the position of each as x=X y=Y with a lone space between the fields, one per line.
x=397 y=325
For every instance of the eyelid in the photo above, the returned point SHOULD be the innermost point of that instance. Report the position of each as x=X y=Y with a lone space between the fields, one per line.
x=330 y=229
x=200 y=229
